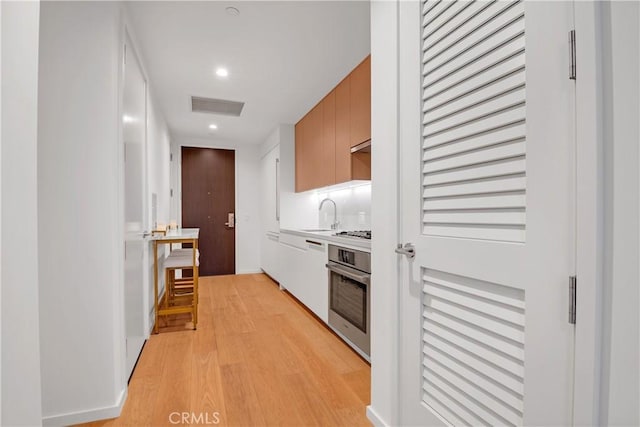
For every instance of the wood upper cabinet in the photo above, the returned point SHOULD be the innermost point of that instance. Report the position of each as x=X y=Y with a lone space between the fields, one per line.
x=328 y=144
x=361 y=102
x=343 y=131
x=303 y=182
x=314 y=150
x=324 y=136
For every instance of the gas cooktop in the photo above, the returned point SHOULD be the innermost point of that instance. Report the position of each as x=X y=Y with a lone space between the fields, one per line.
x=361 y=234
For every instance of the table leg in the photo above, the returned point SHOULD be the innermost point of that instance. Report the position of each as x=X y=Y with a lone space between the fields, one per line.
x=155 y=285
x=196 y=274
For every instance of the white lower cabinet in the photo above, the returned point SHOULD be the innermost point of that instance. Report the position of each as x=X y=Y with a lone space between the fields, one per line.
x=303 y=271
x=270 y=256
x=317 y=284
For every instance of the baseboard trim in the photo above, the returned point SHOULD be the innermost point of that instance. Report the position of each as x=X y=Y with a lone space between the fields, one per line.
x=375 y=418
x=249 y=271
x=88 y=416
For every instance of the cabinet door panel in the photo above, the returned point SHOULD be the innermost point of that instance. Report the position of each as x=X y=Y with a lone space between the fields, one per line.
x=313 y=160
x=299 y=135
x=292 y=271
x=343 y=131
x=303 y=152
x=361 y=103
x=328 y=141
x=317 y=292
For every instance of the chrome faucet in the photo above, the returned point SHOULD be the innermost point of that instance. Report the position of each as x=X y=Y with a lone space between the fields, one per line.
x=336 y=223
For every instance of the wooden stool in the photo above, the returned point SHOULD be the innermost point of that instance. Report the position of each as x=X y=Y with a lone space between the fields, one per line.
x=181 y=291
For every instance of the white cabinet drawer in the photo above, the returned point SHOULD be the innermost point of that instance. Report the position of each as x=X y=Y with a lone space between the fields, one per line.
x=293 y=240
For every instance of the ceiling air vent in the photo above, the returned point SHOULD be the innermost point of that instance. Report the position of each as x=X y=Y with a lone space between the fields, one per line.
x=216 y=106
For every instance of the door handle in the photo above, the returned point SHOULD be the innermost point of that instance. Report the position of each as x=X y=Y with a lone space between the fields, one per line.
x=408 y=250
x=231 y=220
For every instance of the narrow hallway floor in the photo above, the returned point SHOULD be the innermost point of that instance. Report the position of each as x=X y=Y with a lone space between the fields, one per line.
x=257 y=359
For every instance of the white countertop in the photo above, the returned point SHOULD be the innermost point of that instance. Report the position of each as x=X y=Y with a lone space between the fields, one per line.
x=180 y=233
x=329 y=236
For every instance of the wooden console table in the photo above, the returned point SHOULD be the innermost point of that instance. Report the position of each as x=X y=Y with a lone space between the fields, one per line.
x=183 y=235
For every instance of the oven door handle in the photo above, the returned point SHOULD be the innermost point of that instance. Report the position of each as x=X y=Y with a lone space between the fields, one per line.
x=361 y=278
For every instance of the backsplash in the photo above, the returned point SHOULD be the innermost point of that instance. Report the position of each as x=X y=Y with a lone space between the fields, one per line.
x=353 y=205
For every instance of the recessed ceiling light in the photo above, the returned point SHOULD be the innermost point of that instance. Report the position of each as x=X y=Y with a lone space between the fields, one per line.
x=222 y=72
x=232 y=11
x=128 y=119
x=213 y=127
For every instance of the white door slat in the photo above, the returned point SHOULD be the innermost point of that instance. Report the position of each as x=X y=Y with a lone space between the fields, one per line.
x=505 y=346
x=501 y=294
x=503 y=22
x=487 y=401
x=433 y=379
x=476 y=61
x=477 y=157
x=498 y=391
x=492 y=137
x=468 y=417
x=429 y=5
x=443 y=410
x=490 y=105
x=463 y=19
x=444 y=19
x=500 y=311
x=447 y=38
x=499 y=201
x=490 y=355
x=481 y=233
x=453 y=88
x=485 y=170
x=475 y=218
x=436 y=11
x=488 y=370
x=478 y=95
x=480 y=187
x=432 y=112
x=502 y=118
x=472 y=91
x=491 y=323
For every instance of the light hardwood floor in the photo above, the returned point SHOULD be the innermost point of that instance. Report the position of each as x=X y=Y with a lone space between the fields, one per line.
x=257 y=359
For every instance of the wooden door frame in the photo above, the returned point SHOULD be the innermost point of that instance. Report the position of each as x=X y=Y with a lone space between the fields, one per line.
x=176 y=150
x=589 y=215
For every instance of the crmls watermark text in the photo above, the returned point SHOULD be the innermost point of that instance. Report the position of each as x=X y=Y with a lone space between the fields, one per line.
x=194 y=417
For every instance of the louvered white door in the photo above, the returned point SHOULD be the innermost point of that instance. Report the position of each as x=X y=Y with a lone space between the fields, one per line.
x=487 y=173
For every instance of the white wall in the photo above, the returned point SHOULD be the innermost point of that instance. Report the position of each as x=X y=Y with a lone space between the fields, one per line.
x=620 y=396
x=158 y=172
x=80 y=212
x=384 y=215
x=297 y=210
x=158 y=183
x=20 y=366
x=248 y=231
x=158 y=151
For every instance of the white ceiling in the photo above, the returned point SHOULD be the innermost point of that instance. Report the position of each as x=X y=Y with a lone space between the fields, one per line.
x=283 y=57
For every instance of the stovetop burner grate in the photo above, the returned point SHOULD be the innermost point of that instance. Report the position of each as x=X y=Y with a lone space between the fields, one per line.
x=360 y=234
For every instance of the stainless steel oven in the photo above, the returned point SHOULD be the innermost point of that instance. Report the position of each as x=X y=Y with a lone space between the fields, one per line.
x=349 y=296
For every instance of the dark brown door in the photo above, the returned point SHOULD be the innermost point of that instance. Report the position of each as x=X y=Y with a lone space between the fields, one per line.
x=208 y=197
